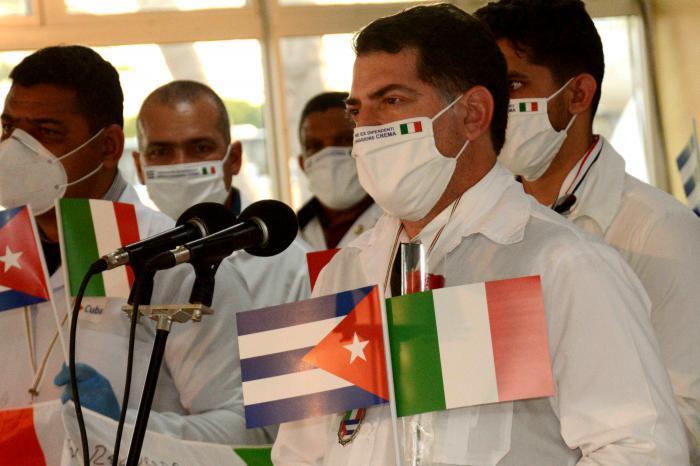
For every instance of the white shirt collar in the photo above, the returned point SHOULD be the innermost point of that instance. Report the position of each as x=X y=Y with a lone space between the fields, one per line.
x=600 y=194
x=495 y=207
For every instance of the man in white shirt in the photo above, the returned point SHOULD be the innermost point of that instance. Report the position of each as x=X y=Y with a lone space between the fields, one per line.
x=340 y=210
x=552 y=47
x=429 y=97
x=67 y=102
x=186 y=156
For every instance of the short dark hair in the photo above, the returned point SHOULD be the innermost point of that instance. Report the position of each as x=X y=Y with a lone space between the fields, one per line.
x=558 y=34
x=455 y=53
x=184 y=90
x=320 y=103
x=95 y=81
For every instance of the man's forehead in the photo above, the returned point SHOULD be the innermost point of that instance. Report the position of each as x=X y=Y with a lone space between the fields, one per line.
x=178 y=122
x=42 y=101
x=375 y=71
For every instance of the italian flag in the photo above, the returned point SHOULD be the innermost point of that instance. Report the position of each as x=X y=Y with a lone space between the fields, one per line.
x=209 y=170
x=469 y=345
x=527 y=107
x=409 y=128
x=89 y=229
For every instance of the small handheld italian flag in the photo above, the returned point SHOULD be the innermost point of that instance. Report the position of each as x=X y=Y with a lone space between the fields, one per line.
x=89 y=229
x=469 y=345
x=410 y=128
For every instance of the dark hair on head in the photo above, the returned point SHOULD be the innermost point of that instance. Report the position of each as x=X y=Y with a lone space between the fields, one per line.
x=95 y=81
x=183 y=90
x=320 y=103
x=455 y=53
x=558 y=34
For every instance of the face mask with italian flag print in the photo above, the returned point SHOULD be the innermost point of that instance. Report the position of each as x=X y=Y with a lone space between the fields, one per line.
x=531 y=142
x=400 y=166
x=174 y=188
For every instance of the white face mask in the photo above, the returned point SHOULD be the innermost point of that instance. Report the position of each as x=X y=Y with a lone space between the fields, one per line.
x=531 y=142
x=332 y=175
x=400 y=166
x=174 y=188
x=31 y=174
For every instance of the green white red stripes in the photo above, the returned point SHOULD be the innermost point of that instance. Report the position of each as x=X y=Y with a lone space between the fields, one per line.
x=527 y=105
x=411 y=127
x=91 y=228
x=469 y=345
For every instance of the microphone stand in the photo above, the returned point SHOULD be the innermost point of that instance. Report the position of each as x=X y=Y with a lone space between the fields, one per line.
x=164 y=315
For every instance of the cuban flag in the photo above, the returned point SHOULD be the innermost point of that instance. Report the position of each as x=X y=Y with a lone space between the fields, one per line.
x=23 y=278
x=319 y=356
x=688 y=163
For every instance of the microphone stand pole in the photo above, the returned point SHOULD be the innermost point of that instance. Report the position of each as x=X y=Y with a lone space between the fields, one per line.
x=164 y=323
x=202 y=293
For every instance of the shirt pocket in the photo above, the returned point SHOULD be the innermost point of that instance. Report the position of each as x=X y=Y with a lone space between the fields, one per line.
x=473 y=436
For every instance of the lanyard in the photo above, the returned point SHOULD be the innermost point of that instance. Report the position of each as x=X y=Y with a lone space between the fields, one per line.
x=430 y=248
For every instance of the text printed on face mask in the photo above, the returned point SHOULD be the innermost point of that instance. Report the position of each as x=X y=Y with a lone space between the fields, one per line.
x=374 y=134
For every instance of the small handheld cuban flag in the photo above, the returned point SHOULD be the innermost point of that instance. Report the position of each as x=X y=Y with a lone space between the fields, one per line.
x=23 y=277
x=688 y=163
x=314 y=357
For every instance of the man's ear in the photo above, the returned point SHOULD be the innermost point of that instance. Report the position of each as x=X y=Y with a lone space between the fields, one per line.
x=478 y=105
x=112 y=146
x=139 y=169
x=582 y=90
x=234 y=162
x=235 y=158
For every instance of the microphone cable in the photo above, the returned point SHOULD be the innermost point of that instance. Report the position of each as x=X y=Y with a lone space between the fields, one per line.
x=129 y=363
x=96 y=268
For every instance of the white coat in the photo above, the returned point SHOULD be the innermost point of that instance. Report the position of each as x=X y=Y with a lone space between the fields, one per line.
x=613 y=401
x=660 y=240
x=274 y=280
x=312 y=232
x=199 y=389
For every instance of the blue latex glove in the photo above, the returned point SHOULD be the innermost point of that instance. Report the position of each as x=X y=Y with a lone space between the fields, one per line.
x=94 y=389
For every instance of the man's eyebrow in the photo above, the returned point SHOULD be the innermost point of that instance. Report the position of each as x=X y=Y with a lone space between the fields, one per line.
x=516 y=75
x=379 y=93
x=34 y=121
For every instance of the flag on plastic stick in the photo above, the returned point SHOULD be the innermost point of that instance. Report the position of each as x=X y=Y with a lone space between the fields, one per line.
x=319 y=356
x=469 y=345
x=89 y=229
x=23 y=277
x=688 y=163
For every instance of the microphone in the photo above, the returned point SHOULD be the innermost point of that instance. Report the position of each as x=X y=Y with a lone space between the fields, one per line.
x=264 y=229
x=196 y=222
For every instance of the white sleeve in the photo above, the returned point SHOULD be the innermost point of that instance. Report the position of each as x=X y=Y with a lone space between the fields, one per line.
x=668 y=266
x=613 y=397
x=203 y=361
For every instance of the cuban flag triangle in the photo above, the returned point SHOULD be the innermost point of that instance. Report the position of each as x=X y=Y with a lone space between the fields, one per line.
x=319 y=356
x=23 y=278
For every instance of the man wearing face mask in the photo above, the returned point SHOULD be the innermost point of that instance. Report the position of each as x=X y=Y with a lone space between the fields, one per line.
x=431 y=118
x=186 y=156
x=555 y=63
x=340 y=210
x=62 y=137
